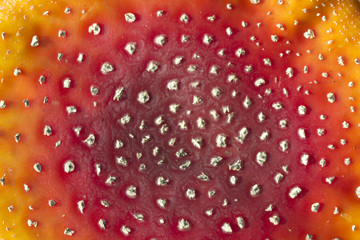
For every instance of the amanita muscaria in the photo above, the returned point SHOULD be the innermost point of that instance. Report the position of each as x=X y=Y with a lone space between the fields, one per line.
x=202 y=119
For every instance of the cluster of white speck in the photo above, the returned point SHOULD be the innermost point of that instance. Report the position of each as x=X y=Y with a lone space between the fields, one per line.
x=220 y=140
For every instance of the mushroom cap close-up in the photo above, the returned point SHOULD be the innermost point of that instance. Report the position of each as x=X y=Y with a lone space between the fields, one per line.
x=179 y=120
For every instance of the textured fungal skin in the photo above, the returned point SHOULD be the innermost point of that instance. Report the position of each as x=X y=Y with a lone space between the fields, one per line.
x=197 y=119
